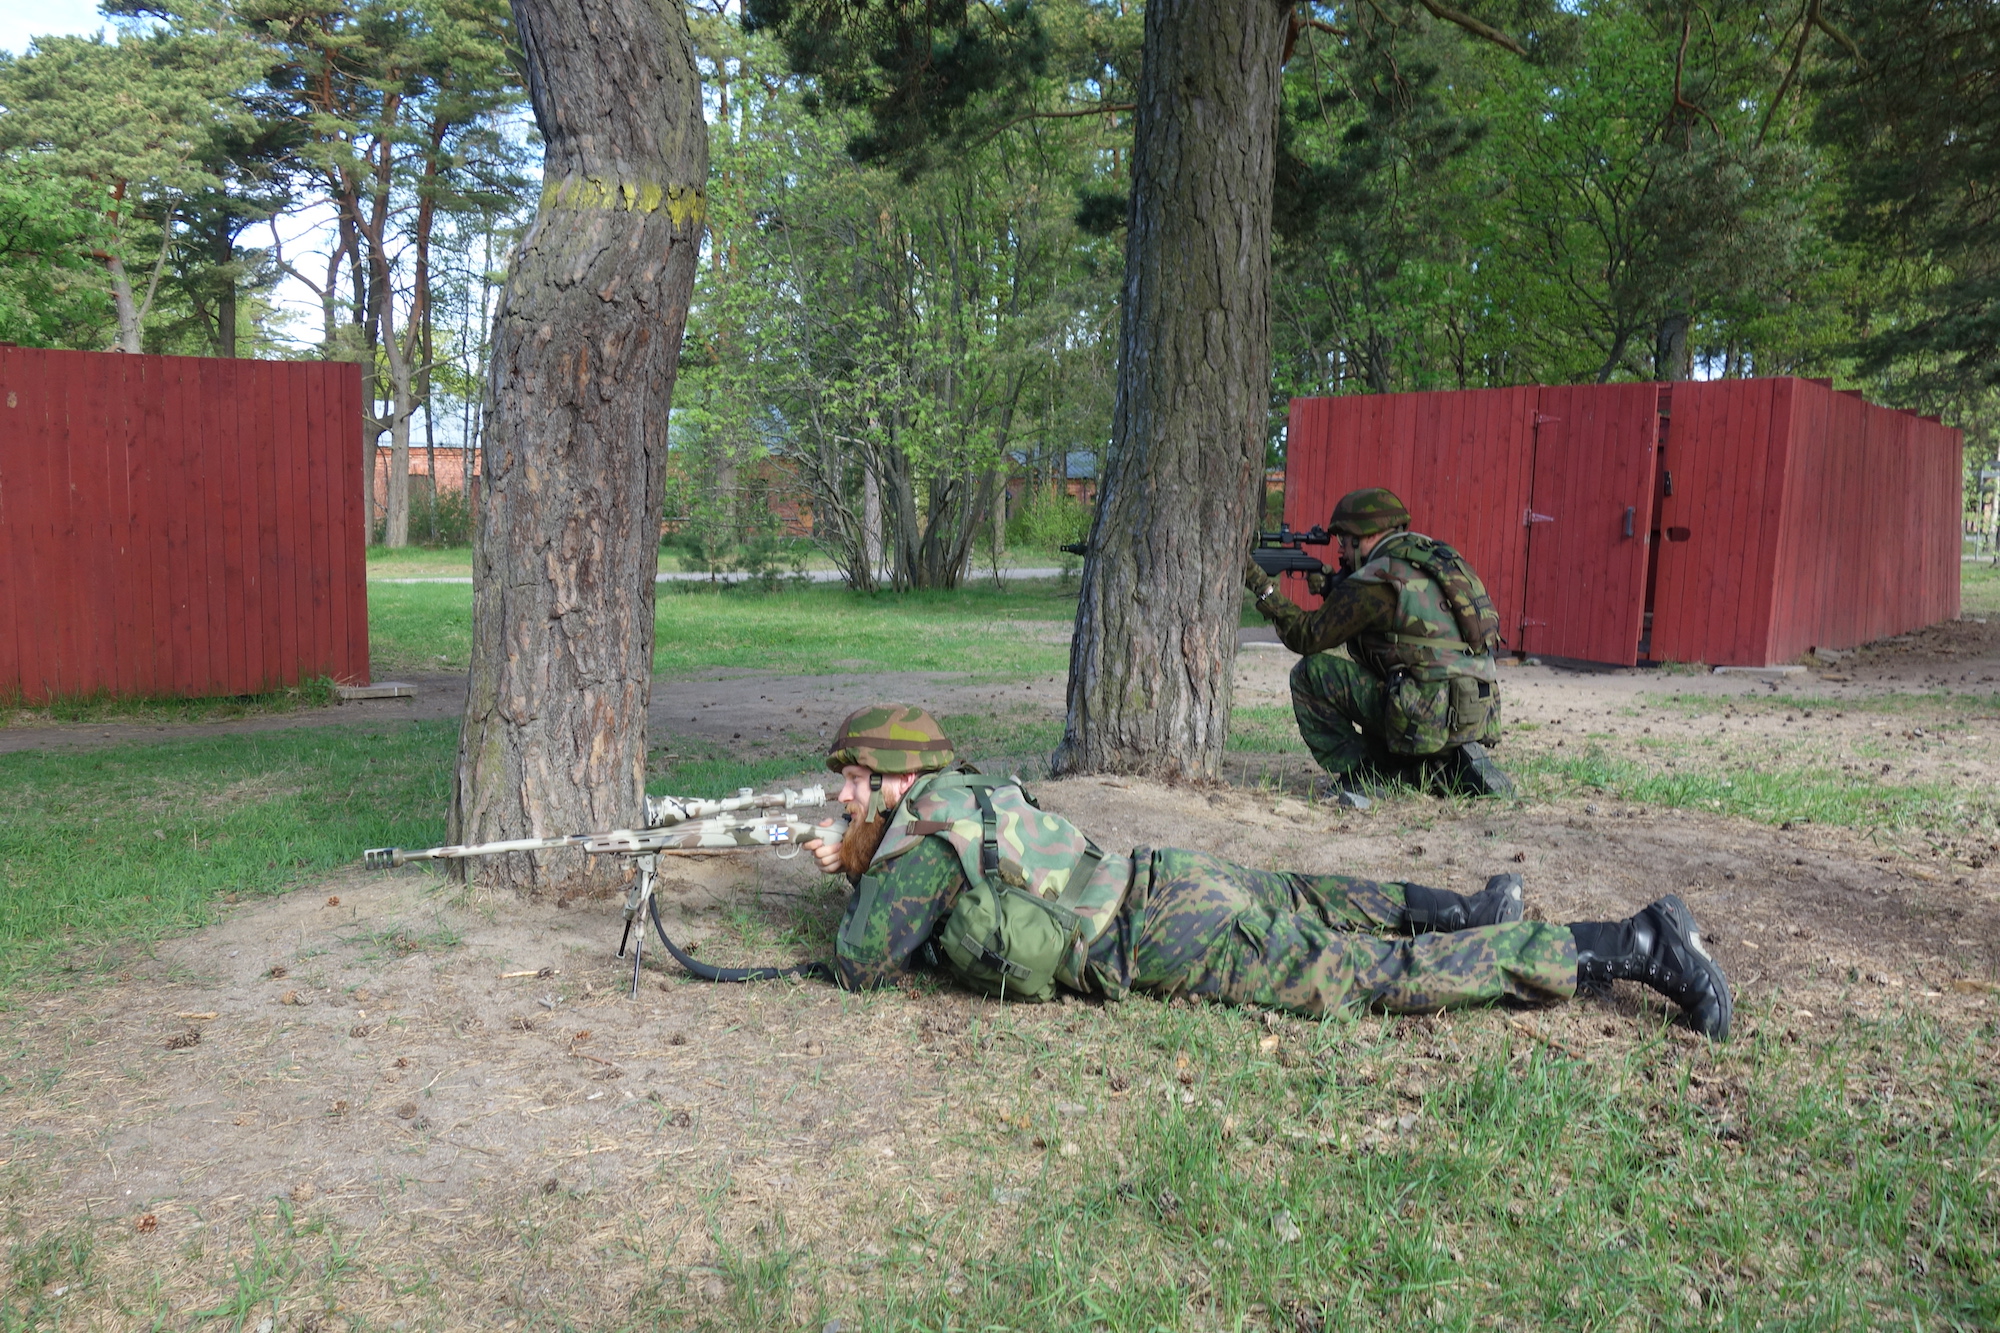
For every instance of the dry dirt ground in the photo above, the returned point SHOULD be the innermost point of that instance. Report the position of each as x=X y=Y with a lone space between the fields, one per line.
x=365 y=1102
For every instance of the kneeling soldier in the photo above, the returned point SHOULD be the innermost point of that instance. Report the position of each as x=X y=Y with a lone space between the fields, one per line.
x=1420 y=690
x=957 y=869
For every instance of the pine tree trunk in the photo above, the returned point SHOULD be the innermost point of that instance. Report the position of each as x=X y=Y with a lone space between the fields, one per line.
x=584 y=354
x=125 y=306
x=1149 y=682
x=402 y=403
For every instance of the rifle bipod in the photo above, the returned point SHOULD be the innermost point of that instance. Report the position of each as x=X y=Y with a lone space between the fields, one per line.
x=640 y=903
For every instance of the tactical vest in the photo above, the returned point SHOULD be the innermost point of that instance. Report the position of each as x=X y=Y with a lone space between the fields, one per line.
x=1443 y=688
x=1038 y=892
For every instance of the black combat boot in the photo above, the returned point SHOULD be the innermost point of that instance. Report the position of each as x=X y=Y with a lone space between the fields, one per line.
x=1427 y=909
x=1472 y=771
x=1661 y=946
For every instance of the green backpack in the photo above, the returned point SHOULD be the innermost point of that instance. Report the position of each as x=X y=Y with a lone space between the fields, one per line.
x=1001 y=937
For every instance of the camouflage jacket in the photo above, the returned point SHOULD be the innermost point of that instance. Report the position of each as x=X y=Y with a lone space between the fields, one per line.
x=894 y=916
x=1443 y=690
x=1425 y=638
x=1165 y=926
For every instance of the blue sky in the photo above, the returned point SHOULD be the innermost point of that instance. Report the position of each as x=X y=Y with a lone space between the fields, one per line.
x=23 y=19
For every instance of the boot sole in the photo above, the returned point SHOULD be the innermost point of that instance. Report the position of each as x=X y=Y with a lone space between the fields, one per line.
x=1480 y=775
x=1682 y=920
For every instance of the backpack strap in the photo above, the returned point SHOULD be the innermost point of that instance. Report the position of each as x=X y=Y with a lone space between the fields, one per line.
x=989 y=832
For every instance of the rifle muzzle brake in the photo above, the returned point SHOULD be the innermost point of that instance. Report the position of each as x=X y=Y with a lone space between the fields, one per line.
x=382 y=858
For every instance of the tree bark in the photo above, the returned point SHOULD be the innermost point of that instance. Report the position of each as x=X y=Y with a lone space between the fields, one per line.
x=1155 y=643
x=584 y=355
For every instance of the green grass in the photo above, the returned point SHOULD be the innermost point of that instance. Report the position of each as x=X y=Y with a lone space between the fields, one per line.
x=420 y=627
x=1004 y=634
x=315 y=693
x=1821 y=794
x=418 y=562
x=1979 y=589
x=109 y=849
x=1826 y=1183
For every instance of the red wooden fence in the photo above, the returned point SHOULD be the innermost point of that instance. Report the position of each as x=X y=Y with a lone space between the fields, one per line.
x=178 y=525
x=1470 y=455
x=1746 y=520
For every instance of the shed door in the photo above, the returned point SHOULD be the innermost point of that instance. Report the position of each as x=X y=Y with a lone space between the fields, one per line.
x=1588 y=519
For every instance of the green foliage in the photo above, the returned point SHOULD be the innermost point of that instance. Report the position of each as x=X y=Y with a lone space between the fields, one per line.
x=1452 y=216
x=872 y=336
x=49 y=292
x=438 y=519
x=1047 y=518
x=135 y=124
x=1916 y=126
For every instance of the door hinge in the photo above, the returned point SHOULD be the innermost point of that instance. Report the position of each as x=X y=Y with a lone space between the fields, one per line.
x=1529 y=516
x=1542 y=420
x=1529 y=622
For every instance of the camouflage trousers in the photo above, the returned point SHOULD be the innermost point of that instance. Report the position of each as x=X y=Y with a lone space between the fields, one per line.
x=1316 y=943
x=1340 y=705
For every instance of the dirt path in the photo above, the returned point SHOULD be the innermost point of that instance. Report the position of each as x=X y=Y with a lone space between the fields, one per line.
x=727 y=705
x=387 y=1077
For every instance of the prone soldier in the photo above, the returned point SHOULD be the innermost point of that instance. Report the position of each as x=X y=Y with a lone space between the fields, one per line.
x=1419 y=690
x=963 y=871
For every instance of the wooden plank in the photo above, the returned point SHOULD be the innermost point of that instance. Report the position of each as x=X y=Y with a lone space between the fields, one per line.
x=287 y=441
x=152 y=591
x=126 y=589
x=1769 y=422
x=66 y=563
x=208 y=572
x=322 y=406
x=264 y=383
x=22 y=400
x=221 y=449
x=187 y=557
x=352 y=538
x=1798 y=431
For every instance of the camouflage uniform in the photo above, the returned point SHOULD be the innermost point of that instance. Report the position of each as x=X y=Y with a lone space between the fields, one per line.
x=1190 y=923
x=1419 y=678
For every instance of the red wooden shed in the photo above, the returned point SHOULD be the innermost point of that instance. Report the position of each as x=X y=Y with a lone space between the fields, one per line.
x=178 y=525
x=1730 y=522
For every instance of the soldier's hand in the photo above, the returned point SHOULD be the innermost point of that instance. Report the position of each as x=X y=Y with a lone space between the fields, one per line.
x=1259 y=584
x=1317 y=582
x=826 y=855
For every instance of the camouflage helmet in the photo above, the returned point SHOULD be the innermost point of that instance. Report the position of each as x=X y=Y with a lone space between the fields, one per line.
x=1366 y=512
x=890 y=738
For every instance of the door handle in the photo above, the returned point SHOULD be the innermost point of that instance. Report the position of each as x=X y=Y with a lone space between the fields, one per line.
x=1630 y=511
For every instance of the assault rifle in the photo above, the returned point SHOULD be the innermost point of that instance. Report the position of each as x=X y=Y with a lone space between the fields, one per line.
x=1283 y=551
x=676 y=826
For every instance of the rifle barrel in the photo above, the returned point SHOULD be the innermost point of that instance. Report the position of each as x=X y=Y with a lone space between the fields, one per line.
x=717 y=834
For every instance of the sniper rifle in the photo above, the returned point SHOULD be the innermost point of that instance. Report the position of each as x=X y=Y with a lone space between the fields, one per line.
x=677 y=826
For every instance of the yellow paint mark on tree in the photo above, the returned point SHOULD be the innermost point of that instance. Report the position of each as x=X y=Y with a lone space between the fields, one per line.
x=685 y=204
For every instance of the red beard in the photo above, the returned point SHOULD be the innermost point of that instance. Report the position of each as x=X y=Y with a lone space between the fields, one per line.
x=857 y=848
